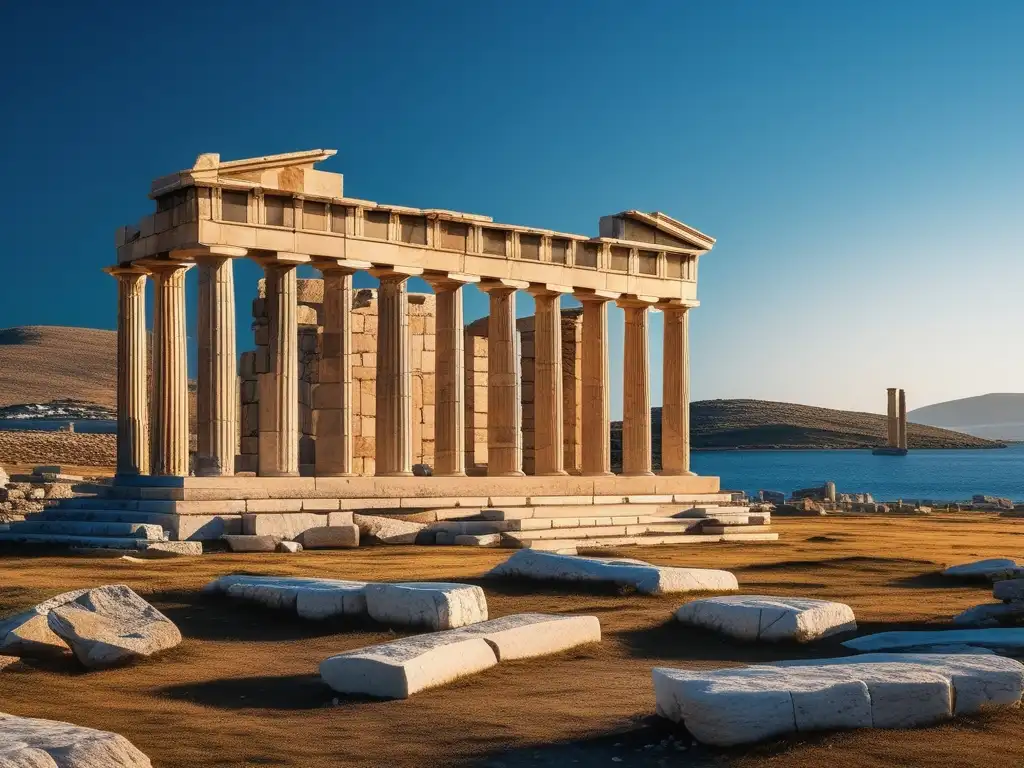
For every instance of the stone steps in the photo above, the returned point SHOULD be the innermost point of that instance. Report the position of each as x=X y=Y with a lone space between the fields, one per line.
x=570 y=544
x=92 y=542
x=134 y=530
x=583 y=510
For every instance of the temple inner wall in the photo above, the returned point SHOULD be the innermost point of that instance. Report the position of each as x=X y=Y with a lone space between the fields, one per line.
x=422 y=329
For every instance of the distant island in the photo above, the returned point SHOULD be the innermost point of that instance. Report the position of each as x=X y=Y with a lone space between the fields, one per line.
x=997 y=416
x=763 y=424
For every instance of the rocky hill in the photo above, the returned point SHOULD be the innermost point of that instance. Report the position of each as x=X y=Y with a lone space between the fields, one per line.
x=997 y=416
x=750 y=424
x=43 y=364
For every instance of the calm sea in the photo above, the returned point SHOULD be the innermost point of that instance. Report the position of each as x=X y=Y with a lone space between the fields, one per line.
x=935 y=475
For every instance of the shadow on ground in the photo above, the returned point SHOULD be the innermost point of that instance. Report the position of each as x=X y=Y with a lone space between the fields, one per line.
x=212 y=617
x=288 y=692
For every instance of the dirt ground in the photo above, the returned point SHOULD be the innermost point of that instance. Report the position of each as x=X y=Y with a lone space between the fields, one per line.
x=242 y=689
x=96 y=453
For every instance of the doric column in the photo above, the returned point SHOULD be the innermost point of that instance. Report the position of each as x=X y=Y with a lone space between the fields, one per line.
x=636 y=389
x=596 y=428
x=548 y=408
x=449 y=375
x=169 y=449
x=279 y=386
x=675 y=409
x=132 y=400
x=332 y=398
x=394 y=373
x=504 y=404
x=902 y=432
x=892 y=420
x=217 y=394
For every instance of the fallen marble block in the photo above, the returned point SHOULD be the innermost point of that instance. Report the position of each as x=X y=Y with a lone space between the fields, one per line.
x=330 y=537
x=310 y=598
x=387 y=530
x=289 y=547
x=896 y=641
x=990 y=615
x=477 y=539
x=29 y=634
x=250 y=543
x=644 y=577
x=726 y=707
x=979 y=569
x=112 y=625
x=526 y=635
x=758 y=617
x=1008 y=589
x=30 y=743
x=435 y=605
x=398 y=669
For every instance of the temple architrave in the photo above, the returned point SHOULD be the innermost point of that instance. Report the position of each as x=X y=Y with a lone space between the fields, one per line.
x=305 y=406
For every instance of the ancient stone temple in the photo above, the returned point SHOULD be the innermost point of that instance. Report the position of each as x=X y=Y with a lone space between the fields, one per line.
x=346 y=391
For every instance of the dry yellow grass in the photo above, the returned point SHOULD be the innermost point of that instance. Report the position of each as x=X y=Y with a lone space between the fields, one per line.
x=95 y=453
x=242 y=689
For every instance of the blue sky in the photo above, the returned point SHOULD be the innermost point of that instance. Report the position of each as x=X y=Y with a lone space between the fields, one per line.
x=860 y=163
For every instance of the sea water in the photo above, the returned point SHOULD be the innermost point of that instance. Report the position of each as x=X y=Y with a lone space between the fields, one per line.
x=938 y=475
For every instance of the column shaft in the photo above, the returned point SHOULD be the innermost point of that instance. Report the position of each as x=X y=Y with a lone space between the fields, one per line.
x=216 y=398
x=449 y=382
x=504 y=406
x=597 y=451
x=892 y=420
x=636 y=393
x=332 y=399
x=132 y=400
x=279 y=386
x=548 y=408
x=675 y=410
x=394 y=378
x=170 y=444
x=902 y=430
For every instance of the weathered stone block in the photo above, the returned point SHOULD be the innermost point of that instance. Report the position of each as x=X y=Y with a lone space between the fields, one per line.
x=434 y=605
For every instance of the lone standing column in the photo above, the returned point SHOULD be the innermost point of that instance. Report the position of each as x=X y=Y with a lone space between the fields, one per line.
x=394 y=374
x=636 y=390
x=548 y=406
x=595 y=412
x=675 y=411
x=903 y=420
x=450 y=375
x=216 y=398
x=332 y=398
x=279 y=385
x=169 y=451
x=892 y=422
x=132 y=401
x=504 y=406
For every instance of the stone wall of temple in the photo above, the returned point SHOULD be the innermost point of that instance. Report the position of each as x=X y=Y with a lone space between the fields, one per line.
x=422 y=312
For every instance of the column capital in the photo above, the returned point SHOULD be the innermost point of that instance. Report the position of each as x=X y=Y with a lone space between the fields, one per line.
x=119 y=270
x=201 y=251
x=503 y=286
x=637 y=302
x=344 y=266
x=393 y=272
x=677 y=305
x=447 y=281
x=596 y=295
x=279 y=258
x=548 y=289
x=166 y=265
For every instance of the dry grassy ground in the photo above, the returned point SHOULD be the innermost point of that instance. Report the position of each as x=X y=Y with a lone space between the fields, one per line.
x=96 y=452
x=242 y=689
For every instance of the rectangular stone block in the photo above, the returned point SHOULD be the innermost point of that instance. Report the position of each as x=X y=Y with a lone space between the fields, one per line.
x=283 y=525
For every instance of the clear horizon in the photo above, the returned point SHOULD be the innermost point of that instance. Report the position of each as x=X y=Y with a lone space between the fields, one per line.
x=858 y=163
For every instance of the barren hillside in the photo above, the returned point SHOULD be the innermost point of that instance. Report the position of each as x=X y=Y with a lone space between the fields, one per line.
x=724 y=424
x=42 y=363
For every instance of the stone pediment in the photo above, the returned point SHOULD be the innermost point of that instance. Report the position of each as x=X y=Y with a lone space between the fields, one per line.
x=289 y=172
x=655 y=228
